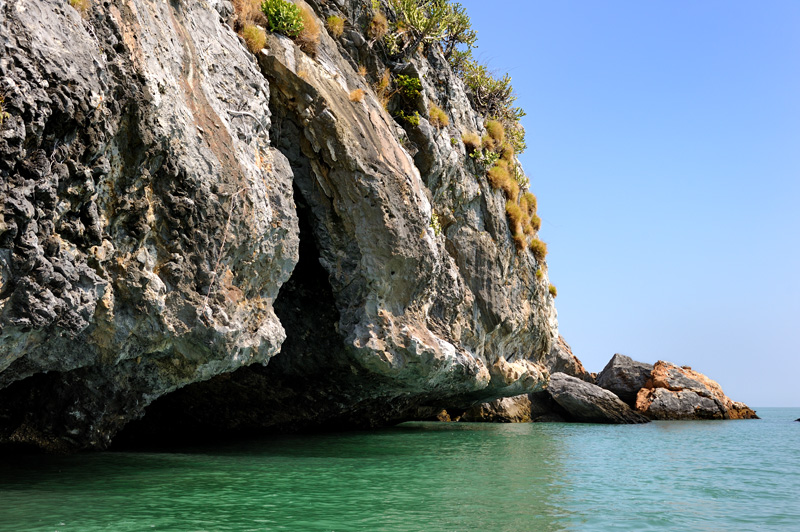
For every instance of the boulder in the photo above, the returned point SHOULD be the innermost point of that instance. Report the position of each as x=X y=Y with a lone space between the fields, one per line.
x=674 y=392
x=544 y=409
x=588 y=403
x=624 y=377
x=505 y=410
x=561 y=360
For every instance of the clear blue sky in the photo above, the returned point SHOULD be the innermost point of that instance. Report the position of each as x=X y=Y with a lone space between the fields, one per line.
x=664 y=147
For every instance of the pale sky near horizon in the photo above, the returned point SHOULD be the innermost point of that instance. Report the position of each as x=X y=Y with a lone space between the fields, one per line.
x=664 y=147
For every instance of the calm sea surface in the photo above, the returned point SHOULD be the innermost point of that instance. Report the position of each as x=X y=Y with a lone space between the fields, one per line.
x=431 y=477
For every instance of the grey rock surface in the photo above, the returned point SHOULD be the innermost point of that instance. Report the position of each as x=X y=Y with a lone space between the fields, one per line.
x=560 y=359
x=624 y=377
x=588 y=403
x=228 y=243
x=147 y=223
x=505 y=410
x=679 y=392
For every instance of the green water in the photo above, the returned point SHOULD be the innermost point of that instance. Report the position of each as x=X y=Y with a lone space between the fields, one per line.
x=687 y=476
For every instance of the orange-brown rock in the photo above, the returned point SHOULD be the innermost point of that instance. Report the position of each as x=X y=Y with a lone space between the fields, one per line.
x=674 y=392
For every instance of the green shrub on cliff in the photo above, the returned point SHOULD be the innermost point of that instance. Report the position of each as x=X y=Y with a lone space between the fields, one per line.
x=283 y=17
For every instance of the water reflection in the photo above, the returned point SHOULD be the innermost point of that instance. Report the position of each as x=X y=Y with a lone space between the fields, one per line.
x=418 y=476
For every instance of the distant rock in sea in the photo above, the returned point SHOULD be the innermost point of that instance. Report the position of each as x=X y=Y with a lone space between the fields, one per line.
x=674 y=392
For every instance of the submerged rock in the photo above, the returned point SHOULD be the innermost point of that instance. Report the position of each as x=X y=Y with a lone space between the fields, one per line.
x=588 y=403
x=674 y=392
x=624 y=377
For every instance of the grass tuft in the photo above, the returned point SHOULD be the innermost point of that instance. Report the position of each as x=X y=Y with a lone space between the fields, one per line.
x=515 y=216
x=496 y=131
x=308 y=38
x=471 y=141
x=378 y=26
x=552 y=290
x=336 y=25
x=536 y=222
x=248 y=13
x=530 y=201
x=507 y=152
x=254 y=37
x=81 y=6
x=437 y=117
x=356 y=95
x=539 y=249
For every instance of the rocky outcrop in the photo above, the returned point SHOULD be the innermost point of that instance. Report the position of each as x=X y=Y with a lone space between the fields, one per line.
x=624 y=377
x=588 y=403
x=674 y=392
x=234 y=243
x=561 y=360
x=147 y=224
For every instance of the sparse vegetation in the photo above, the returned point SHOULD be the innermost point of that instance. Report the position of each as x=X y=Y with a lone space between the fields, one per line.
x=81 y=6
x=254 y=37
x=409 y=86
x=283 y=17
x=336 y=25
x=507 y=152
x=381 y=88
x=539 y=274
x=356 y=95
x=248 y=12
x=539 y=249
x=496 y=131
x=378 y=26
x=435 y=224
x=530 y=201
x=362 y=70
x=411 y=119
x=471 y=141
x=437 y=117
x=308 y=38
x=488 y=143
x=552 y=290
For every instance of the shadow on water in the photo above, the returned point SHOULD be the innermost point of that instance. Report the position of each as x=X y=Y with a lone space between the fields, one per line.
x=417 y=476
x=431 y=477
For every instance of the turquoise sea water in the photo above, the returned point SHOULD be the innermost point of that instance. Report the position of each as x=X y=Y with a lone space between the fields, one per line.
x=430 y=477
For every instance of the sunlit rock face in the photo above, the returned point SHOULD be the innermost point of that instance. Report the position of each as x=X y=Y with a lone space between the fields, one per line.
x=224 y=241
x=674 y=392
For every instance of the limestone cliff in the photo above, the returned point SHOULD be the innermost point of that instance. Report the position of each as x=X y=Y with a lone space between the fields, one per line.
x=222 y=240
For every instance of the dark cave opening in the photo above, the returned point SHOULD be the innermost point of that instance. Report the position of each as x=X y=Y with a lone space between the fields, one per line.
x=301 y=388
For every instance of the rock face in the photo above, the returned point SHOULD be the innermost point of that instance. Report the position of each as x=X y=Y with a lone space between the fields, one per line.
x=624 y=377
x=233 y=243
x=561 y=360
x=536 y=406
x=674 y=392
x=588 y=403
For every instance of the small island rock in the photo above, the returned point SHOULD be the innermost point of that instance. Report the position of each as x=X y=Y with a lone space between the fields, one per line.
x=674 y=392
